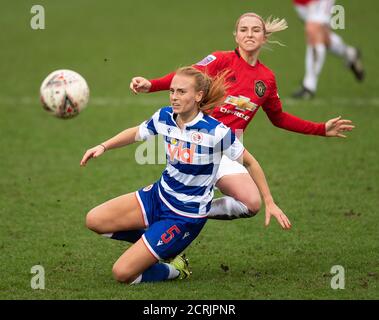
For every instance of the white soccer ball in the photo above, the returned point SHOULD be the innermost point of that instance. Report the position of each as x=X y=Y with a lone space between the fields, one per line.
x=64 y=93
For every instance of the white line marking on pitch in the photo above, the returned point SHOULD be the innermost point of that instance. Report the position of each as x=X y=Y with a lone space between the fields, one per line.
x=147 y=100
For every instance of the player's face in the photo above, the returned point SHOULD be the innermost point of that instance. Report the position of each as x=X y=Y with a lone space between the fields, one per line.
x=250 y=34
x=183 y=96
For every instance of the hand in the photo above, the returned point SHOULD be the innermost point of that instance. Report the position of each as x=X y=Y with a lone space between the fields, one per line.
x=335 y=127
x=140 y=84
x=274 y=210
x=92 y=153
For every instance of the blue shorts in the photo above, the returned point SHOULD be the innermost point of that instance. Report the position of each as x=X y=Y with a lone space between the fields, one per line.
x=168 y=233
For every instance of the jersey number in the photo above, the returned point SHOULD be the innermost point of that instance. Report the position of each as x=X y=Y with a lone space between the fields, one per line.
x=169 y=234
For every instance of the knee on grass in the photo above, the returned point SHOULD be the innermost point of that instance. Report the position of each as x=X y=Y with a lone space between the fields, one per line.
x=122 y=274
x=253 y=206
x=93 y=222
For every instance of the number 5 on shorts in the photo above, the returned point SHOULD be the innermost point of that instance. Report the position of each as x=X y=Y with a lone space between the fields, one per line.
x=169 y=234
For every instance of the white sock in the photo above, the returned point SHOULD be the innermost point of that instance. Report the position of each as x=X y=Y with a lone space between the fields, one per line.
x=154 y=273
x=173 y=273
x=227 y=208
x=314 y=61
x=351 y=54
x=340 y=49
x=137 y=280
x=107 y=235
x=337 y=45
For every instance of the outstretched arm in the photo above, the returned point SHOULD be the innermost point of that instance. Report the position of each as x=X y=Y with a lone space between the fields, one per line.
x=124 y=138
x=273 y=108
x=332 y=128
x=335 y=127
x=289 y=122
x=259 y=178
x=142 y=85
x=211 y=65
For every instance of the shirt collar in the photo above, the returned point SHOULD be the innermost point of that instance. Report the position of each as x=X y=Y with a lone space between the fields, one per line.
x=198 y=117
x=237 y=52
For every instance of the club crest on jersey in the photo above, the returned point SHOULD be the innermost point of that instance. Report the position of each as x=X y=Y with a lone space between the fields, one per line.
x=207 y=60
x=147 y=188
x=196 y=137
x=241 y=103
x=260 y=88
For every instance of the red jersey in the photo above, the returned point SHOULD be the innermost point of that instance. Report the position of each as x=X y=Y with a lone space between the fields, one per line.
x=249 y=88
x=302 y=2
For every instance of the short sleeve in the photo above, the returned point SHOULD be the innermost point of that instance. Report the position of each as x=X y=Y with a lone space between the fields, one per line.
x=229 y=145
x=148 y=127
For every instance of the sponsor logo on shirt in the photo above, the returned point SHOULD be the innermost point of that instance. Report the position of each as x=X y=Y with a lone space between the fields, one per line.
x=241 y=103
x=207 y=60
x=176 y=151
x=236 y=113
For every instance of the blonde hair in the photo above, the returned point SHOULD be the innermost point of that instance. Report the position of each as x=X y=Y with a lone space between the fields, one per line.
x=214 y=88
x=270 y=25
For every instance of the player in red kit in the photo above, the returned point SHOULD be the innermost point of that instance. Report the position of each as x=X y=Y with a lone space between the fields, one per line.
x=251 y=85
x=316 y=15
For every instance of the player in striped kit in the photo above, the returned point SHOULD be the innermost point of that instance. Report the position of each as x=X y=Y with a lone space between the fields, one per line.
x=174 y=209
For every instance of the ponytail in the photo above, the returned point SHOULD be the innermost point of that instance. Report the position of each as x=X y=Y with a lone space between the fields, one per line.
x=273 y=25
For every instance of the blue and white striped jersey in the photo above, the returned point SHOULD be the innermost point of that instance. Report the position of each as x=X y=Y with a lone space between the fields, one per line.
x=193 y=158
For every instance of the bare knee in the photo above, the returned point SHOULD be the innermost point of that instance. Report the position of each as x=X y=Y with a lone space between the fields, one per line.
x=315 y=33
x=93 y=221
x=253 y=205
x=252 y=201
x=122 y=274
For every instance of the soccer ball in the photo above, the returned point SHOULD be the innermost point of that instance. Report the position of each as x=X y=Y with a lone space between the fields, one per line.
x=64 y=93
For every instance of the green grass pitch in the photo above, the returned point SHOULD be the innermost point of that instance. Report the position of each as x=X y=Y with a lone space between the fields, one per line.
x=327 y=187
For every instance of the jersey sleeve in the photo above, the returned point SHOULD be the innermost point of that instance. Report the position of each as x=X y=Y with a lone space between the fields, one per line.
x=162 y=83
x=273 y=108
x=212 y=64
x=148 y=128
x=229 y=145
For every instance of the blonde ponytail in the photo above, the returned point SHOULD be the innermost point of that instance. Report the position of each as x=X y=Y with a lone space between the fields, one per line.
x=273 y=25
